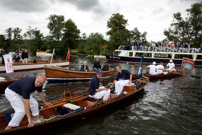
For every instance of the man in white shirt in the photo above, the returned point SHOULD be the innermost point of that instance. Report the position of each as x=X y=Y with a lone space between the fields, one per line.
x=160 y=68
x=153 y=69
x=170 y=66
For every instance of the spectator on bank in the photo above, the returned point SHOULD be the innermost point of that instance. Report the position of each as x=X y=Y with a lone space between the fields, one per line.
x=24 y=56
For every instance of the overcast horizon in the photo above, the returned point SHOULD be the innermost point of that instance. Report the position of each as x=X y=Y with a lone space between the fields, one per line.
x=91 y=16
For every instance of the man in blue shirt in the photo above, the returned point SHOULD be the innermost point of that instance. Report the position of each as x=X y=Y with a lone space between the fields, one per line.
x=123 y=78
x=96 y=64
x=18 y=94
x=94 y=89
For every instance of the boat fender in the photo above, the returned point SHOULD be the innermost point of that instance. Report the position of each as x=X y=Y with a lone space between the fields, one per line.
x=135 y=85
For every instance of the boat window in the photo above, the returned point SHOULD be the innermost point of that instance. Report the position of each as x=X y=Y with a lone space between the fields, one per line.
x=181 y=56
x=130 y=54
x=143 y=54
x=199 y=57
x=162 y=55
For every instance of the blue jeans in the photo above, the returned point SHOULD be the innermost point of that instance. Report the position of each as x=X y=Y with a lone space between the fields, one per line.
x=96 y=68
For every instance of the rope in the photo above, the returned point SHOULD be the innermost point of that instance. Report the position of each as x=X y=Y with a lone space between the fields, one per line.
x=41 y=118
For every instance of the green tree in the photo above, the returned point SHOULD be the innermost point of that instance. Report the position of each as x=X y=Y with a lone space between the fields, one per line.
x=37 y=41
x=3 y=43
x=9 y=34
x=82 y=43
x=94 y=43
x=138 y=36
x=188 y=29
x=56 y=26
x=71 y=35
x=195 y=19
x=34 y=39
x=118 y=34
x=17 y=39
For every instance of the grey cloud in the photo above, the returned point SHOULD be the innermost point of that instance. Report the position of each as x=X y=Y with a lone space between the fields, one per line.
x=24 y=5
x=84 y=5
x=88 y=6
x=158 y=11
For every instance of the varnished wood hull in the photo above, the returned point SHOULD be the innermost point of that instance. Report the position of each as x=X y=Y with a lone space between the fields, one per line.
x=18 y=66
x=91 y=109
x=6 y=83
x=160 y=76
x=56 y=74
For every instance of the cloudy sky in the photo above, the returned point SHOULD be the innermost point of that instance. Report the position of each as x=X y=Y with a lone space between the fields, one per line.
x=90 y=16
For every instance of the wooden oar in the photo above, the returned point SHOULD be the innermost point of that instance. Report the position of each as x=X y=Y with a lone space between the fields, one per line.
x=64 y=102
x=142 y=65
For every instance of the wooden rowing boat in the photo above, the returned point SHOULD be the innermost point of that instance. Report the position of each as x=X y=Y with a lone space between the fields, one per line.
x=77 y=106
x=19 y=66
x=172 y=74
x=57 y=74
x=6 y=82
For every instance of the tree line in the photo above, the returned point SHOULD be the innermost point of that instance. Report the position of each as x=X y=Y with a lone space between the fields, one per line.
x=65 y=34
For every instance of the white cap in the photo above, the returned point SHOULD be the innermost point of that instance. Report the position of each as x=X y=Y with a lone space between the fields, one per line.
x=171 y=60
x=154 y=63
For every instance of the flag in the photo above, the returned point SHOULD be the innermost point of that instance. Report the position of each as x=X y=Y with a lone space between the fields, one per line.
x=140 y=69
x=105 y=45
x=188 y=63
x=8 y=63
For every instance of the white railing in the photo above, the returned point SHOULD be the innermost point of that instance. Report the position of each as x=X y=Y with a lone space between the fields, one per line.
x=167 y=49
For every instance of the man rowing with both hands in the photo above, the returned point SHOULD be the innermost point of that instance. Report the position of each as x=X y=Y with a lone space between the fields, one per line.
x=18 y=94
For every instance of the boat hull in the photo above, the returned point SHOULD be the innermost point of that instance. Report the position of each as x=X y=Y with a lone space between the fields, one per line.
x=18 y=67
x=56 y=74
x=160 y=76
x=147 y=60
x=74 y=116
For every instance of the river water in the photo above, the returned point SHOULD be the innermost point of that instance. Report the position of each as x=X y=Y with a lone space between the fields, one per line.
x=165 y=107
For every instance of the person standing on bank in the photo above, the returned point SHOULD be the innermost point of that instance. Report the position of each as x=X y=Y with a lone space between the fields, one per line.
x=96 y=64
x=125 y=78
x=24 y=56
x=84 y=67
x=94 y=89
x=18 y=94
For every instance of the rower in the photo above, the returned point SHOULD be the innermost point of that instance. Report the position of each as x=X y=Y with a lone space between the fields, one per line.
x=171 y=66
x=153 y=69
x=94 y=89
x=18 y=94
x=84 y=67
x=160 y=69
x=126 y=78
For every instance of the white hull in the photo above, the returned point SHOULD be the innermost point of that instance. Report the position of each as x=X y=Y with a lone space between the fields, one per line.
x=26 y=67
x=43 y=54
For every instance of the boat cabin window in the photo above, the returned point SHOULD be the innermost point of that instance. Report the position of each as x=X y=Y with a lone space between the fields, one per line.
x=143 y=54
x=199 y=57
x=162 y=55
x=131 y=54
x=181 y=56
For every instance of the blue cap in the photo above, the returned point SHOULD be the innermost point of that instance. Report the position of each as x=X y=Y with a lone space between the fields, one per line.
x=99 y=72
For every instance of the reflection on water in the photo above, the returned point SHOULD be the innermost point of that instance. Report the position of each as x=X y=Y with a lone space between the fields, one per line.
x=172 y=106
